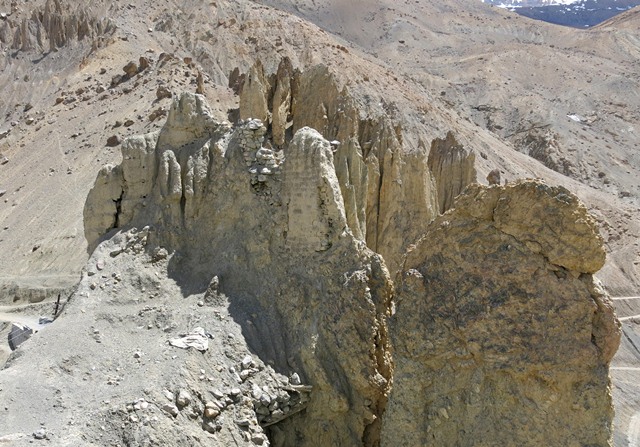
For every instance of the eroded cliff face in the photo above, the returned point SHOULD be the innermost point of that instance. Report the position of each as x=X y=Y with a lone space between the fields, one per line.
x=52 y=26
x=271 y=227
x=453 y=169
x=389 y=191
x=501 y=334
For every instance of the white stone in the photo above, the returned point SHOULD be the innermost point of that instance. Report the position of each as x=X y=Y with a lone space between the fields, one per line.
x=184 y=398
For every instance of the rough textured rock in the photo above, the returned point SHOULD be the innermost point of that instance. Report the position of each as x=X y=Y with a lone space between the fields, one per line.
x=281 y=115
x=280 y=249
x=544 y=146
x=427 y=86
x=501 y=336
x=554 y=224
x=103 y=204
x=54 y=25
x=493 y=177
x=269 y=263
x=453 y=169
x=254 y=96
x=388 y=189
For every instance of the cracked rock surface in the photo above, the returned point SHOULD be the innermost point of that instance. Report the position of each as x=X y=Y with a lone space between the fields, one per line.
x=501 y=335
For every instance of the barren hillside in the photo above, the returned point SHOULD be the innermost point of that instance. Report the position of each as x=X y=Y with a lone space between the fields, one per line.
x=422 y=97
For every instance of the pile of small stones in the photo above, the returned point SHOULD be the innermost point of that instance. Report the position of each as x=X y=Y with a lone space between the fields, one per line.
x=261 y=161
x=136 y=241
x=272 y=406
x=216 y=410
x=250 y=406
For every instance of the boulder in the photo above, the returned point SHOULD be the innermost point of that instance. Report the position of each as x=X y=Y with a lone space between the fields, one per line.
x=113 y=140
x=493 y=177
x=501 y=336
x=18 y=334
x=131 y=69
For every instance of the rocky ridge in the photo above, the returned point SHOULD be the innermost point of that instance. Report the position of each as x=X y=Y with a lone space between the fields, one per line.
x=279 y=264
x=199 y=35
x=50 y=196
x=372 y=162
x=285 y=314
x=52 y=26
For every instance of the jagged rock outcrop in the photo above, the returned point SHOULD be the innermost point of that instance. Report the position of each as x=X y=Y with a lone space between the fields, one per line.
x=53 y=26
x=453 y=169
x=102 y=208
x=255 y=95
x=213 y=237
x=501 y=336
x=282 y=97
x=543 y=145
x=280 y=248
x=388 y=190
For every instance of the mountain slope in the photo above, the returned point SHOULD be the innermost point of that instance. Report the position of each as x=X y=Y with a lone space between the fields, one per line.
x=528 y=98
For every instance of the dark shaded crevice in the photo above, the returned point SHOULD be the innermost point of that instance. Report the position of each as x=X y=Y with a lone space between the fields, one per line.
x=118 y=203
x=383 y=299
x=183 y=205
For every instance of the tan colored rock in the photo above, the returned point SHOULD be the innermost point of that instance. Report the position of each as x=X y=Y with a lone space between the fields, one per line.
x=282 y=101
x=282 y=248
x=493 y=177
x=189 y=117
x=313 y=227
x=200 y=83
x=319 y=102
x=352 y=172
x=131 y=69
x=495 y=344
x=453 y=169
x=157 y=113
x=407 y=199
x=163 y=92
x=254 y=96
x=389 y=193
x=102 y=207
x=143 y=63
x=551 y=221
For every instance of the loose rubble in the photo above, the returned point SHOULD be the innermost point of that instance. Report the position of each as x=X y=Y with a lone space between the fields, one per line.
x=262 y=162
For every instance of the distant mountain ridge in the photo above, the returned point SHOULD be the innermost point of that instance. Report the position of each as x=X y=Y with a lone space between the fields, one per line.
x=529 y=3
x=574 y=13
